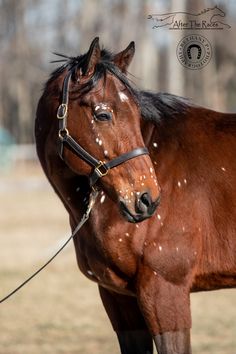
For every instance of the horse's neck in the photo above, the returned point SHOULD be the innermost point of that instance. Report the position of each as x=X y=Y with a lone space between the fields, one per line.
x=178 y=143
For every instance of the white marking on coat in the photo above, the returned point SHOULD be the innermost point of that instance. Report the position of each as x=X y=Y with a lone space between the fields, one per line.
x=155 y=144
x=123 y=96
x=160 y=248
x=223 y=169
x=102 y=199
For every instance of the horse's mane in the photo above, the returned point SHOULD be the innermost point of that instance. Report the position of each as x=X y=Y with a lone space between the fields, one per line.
x=154 y=106
x=160 y=106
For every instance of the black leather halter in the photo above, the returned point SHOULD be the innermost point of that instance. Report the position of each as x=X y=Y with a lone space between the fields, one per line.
x=100 y=168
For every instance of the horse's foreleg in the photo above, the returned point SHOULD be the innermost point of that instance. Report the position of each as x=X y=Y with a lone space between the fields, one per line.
x=166 y=309
x=128 y=322
x=173 y=342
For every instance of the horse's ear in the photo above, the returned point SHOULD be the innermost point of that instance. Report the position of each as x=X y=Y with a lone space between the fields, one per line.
x=124 y=58
x=92 y=57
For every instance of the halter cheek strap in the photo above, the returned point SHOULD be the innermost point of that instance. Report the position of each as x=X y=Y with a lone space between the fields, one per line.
x=100 y=168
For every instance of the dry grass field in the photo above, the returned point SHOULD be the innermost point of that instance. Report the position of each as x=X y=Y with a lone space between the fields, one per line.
x=60 y=312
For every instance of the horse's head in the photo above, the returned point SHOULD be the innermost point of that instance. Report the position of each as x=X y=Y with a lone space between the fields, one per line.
x=103 y=117
x=217 y=11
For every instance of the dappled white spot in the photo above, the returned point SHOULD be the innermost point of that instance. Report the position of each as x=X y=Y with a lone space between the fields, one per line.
x=137 y=226
x=145 y=243
x=155 y=145
x=179 y=184
x=155 y=273
x=142 y=184
x=120 y=240
x=97 y=140
x=92 y=121
x=185 y=181
x=160 y=248
x=100 y=142
x=102 y=199
x=123 y=96
x=155 y=163
x=158 y=216
x=127 y=234
x=151 y=169
x=97 y=107
x=177 y=249
x=89 y=272
x=141 y=177
x=144 y=177
x=137 y=193
x=223 y=169
x=183 y=228
x=154 y=244
x=162 y=224
x=105 y=152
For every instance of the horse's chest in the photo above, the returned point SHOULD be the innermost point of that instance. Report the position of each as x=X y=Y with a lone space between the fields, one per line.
x=108 y=257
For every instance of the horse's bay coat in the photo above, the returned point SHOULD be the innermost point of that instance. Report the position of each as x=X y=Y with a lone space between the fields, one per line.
x=145 y=271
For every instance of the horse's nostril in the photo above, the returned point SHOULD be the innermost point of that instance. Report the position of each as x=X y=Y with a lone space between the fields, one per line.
x=146 y=199
x=143 y=203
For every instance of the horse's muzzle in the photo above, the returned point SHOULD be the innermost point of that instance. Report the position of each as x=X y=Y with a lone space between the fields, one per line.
x=144 y=208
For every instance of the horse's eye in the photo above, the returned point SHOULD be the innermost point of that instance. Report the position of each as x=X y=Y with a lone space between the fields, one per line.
x=103 y=116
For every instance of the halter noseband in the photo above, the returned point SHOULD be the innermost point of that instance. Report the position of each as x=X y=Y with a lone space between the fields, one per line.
x=100 y=168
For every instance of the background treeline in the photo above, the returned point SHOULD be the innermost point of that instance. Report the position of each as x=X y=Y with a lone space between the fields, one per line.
x=30 y=30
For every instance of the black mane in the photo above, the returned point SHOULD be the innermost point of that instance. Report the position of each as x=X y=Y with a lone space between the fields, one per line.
x=154 y=106
x=160 y=106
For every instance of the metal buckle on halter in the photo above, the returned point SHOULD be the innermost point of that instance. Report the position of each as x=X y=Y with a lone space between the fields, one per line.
x=63 y=133
x=62 y=111
x=101 y=169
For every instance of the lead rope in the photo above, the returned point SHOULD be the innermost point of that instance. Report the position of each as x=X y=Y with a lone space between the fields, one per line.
x=83 y=220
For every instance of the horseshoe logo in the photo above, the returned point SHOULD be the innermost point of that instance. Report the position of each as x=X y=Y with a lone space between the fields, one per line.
x=199 y=49
x=194 y=51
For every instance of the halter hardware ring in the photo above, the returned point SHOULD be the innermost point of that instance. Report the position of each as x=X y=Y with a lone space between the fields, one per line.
x=101 y=169
x=62 y=111
x=62 y=133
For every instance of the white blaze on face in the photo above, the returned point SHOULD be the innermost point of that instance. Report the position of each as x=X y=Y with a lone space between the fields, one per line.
x=123 y=97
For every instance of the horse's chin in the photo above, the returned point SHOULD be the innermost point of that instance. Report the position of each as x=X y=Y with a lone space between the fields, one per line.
x=134 y=219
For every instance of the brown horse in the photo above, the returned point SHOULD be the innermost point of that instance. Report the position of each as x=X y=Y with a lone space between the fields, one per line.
x=145 y=271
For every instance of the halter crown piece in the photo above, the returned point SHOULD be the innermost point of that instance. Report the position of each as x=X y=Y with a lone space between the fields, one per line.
x=100 y=168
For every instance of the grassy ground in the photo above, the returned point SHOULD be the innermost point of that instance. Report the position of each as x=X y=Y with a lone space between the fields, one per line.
x=60 y=311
